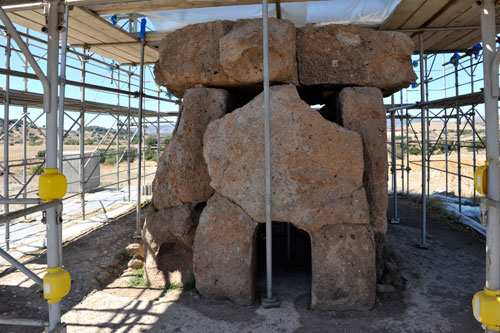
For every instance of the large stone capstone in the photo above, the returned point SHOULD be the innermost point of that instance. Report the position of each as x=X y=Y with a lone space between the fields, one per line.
x=362 y=110
x=225 y=54
x=336 y=56
x=241 y=52
x=311 y=186
x=190 y=56
x=182 y=175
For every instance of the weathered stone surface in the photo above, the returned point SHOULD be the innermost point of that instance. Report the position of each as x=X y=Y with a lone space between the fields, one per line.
x=363 y=111
x=168 y=238
x=241 y=51
x=224 y=254
x=190 y=56
x=135 y=250
x=336 y=55
x=182 y=176
x=317 y=166
x=343 y=274
x=214 y=54
x=135 y=263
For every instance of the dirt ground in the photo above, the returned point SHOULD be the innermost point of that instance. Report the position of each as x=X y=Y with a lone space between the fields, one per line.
x=435 y=293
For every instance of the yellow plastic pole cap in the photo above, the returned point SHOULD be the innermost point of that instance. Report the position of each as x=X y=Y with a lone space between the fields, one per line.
x=481 y=179
x=56 y=284
x=52 y=185
x=486 y=307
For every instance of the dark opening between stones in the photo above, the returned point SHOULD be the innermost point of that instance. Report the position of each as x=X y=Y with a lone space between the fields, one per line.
x=291 y=269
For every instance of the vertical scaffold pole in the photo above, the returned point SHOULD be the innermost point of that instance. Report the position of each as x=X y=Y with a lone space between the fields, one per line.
x=62 y=89
x=81 y=138
x=6 y=140
x=267 y=150
x=117 y=155
x=118 y=126
x=473 y=121
x=445 y=129
x=128 y=134
x=459 y=160
x=53 y=260
x=394 y=166
x=402 y=146
x=427 y=123
x=408 y=169
x=423 y=240
x=492 y=146
x=137 y=233
x=25 y=128
x=144 y=153
x=158 y=130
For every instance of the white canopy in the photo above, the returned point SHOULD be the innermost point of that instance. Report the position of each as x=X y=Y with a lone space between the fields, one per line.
x=356 y=12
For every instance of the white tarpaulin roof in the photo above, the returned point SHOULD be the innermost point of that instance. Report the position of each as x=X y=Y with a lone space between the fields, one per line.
x=358 y=12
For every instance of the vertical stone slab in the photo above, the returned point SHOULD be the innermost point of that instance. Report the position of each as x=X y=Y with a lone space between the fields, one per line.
x=362 y=110
x=182 y=176
x=168 y=238
x=343 y=268
x=224 y=253
x=316 y=164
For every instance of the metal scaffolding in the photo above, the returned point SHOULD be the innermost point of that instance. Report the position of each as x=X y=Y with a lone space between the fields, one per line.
x=129 y=123
x=414 y=148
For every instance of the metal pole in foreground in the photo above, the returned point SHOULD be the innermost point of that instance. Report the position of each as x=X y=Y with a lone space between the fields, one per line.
x=491 y=112
x=128 y=137
x=394 y=166
x=423 y=241
x=53 y=260
x=25 y=130
x=62 y=89
x=6 y=143
x=118 y=127
x=459 y=159
x=402 y=146
x=158 y=131
x=427 y=123
x=81 y=138
x=137 y=233
x=473 y=121
x=267 y=153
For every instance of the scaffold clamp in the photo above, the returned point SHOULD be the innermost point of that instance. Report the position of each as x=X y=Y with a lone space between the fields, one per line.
x=486 y=307
x=481 y=179
x=52 y=185
x=56 y=284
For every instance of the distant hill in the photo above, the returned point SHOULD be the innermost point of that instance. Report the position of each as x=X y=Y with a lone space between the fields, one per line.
x=165 y=130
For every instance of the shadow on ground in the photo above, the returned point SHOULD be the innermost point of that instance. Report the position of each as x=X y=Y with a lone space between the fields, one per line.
x=438 y=285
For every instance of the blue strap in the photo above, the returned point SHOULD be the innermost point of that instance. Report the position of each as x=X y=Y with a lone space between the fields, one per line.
x=477 y=49
x=415 y=63
x=414 y=84
x=115 y=19
x=454 y=59
x=112 y=67
x=143 y=29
